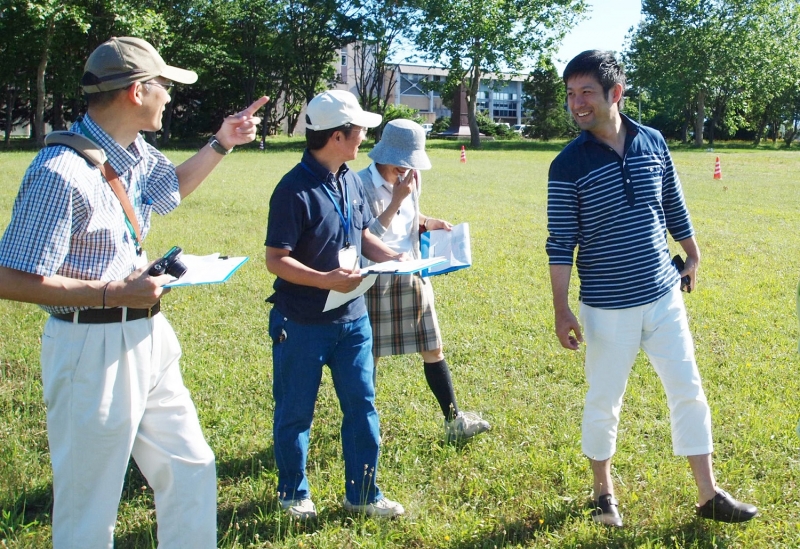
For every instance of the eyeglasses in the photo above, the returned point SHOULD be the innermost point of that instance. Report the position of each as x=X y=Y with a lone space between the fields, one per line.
x=362 y=130
x=166 y=86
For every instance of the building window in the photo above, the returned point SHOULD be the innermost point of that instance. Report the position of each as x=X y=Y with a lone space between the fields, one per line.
x=504 y=96
x=411 y=84
x=344 y=57
x=504 y=109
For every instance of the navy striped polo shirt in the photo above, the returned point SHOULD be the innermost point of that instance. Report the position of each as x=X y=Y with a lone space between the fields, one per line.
x=617 y=211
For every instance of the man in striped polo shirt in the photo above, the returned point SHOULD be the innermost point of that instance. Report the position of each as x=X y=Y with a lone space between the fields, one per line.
x=614 y=194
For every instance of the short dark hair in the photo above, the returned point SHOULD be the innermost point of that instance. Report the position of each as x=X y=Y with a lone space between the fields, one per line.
x=102 y=99
x=602 y=65
x=317 y=139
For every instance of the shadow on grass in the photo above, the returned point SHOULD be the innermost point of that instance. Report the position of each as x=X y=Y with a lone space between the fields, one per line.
x=26 y=509
x=691 y=533
x=248 y=465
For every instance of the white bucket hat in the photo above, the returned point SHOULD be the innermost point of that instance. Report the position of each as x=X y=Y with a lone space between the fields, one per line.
x=402 y=144
x=335 y=108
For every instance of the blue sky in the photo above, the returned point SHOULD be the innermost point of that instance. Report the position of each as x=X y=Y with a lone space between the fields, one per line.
x=606 y=24
x=605 y=27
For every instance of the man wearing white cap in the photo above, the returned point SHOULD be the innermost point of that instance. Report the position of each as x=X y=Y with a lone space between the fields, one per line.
x=316 y=234
x=110 y=361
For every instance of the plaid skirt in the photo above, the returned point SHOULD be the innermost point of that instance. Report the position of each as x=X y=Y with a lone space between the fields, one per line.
x=402 y=315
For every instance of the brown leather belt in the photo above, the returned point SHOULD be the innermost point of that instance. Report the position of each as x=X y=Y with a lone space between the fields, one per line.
x=107 y=316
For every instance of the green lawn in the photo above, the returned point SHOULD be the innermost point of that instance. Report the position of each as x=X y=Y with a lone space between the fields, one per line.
x=524 y=484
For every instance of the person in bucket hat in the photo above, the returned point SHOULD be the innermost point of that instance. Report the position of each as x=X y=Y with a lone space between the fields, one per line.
x=317 y=231
x=109 y=358
x=393 y=184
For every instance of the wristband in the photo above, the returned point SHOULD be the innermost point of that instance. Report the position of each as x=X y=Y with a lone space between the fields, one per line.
x=214 y=143
x=105 y=288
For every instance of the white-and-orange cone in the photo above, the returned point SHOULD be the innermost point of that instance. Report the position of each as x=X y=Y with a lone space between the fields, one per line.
x=463 y=155
x=717 y=169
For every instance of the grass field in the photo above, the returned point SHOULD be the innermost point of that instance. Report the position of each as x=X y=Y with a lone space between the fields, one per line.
x=524 y=484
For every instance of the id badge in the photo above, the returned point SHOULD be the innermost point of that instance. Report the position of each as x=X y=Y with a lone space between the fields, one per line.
x=348 y=258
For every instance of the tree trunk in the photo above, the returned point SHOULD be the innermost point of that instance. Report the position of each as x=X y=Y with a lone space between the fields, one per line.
x=700 y=118
x=58 y=112
x=40 y=73
x=291 y=123
x=11 y=98
x=711 y=124
x=762 y=124
x=166 y=123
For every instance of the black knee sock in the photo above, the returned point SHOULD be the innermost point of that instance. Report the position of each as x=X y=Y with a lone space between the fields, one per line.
x=437 y=375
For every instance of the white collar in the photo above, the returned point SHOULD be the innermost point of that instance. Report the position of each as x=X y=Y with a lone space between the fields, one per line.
x=377 y=178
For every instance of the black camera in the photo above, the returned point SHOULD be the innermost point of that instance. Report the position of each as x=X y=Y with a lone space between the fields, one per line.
x=686 y=281
x=169 y=264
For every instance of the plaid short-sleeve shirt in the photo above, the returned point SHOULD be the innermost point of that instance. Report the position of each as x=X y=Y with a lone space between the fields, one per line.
x=66 y=219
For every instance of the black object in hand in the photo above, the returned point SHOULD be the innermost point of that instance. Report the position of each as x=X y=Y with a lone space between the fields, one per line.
x=169 y=264
x=686 y=281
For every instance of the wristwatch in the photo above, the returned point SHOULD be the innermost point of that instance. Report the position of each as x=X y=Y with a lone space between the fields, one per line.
x=217 y=146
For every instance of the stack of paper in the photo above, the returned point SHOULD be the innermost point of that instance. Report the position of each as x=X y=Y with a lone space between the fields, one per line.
x=453 y=245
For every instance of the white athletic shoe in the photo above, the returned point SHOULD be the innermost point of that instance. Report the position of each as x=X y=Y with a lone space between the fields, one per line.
x=383 y=508
x=302 y=509
x=465 y=425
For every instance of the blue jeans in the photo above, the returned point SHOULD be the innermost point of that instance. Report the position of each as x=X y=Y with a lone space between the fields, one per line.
x=299 y=351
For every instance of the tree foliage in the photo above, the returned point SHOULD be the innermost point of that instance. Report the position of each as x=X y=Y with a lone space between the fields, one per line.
x=381 y=26
x=478 y=37
x=546 y=103
x=721 y=68
x=716 y=65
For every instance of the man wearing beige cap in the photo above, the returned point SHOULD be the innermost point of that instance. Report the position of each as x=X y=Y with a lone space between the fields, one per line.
x=316 y=234
x=110 y=370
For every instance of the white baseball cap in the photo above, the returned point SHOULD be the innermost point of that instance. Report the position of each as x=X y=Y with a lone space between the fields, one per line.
x=335 y=108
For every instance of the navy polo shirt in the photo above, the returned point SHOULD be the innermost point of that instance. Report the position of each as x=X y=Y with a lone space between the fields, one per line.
x=617 y=212
x=304 y=220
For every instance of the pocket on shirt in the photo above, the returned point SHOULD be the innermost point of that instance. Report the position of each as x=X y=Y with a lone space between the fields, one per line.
x=358 y=215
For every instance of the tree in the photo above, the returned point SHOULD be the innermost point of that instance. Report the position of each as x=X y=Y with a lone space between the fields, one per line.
x=547 y=99
x=708 y=60
x=313 y=32
x=17 y=61
x=47 y=17
x=382 y=24
x=476 y=37
x=772 y=74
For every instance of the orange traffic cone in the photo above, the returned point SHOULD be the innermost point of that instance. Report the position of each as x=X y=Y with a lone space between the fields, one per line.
x=717 y=170
x=463 y=155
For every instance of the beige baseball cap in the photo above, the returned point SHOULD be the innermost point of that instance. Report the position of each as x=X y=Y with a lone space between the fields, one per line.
x=335 y=108
x=120 y=62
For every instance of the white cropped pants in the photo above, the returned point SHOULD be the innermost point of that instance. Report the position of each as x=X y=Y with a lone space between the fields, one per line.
x=112 y=391
x=613 y=339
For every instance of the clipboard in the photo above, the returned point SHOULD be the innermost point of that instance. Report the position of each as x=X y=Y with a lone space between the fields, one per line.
x=207 y=269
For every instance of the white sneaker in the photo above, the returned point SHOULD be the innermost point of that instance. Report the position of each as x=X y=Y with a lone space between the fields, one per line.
x=302 y=509
x=383 y=508
x=465 y=425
